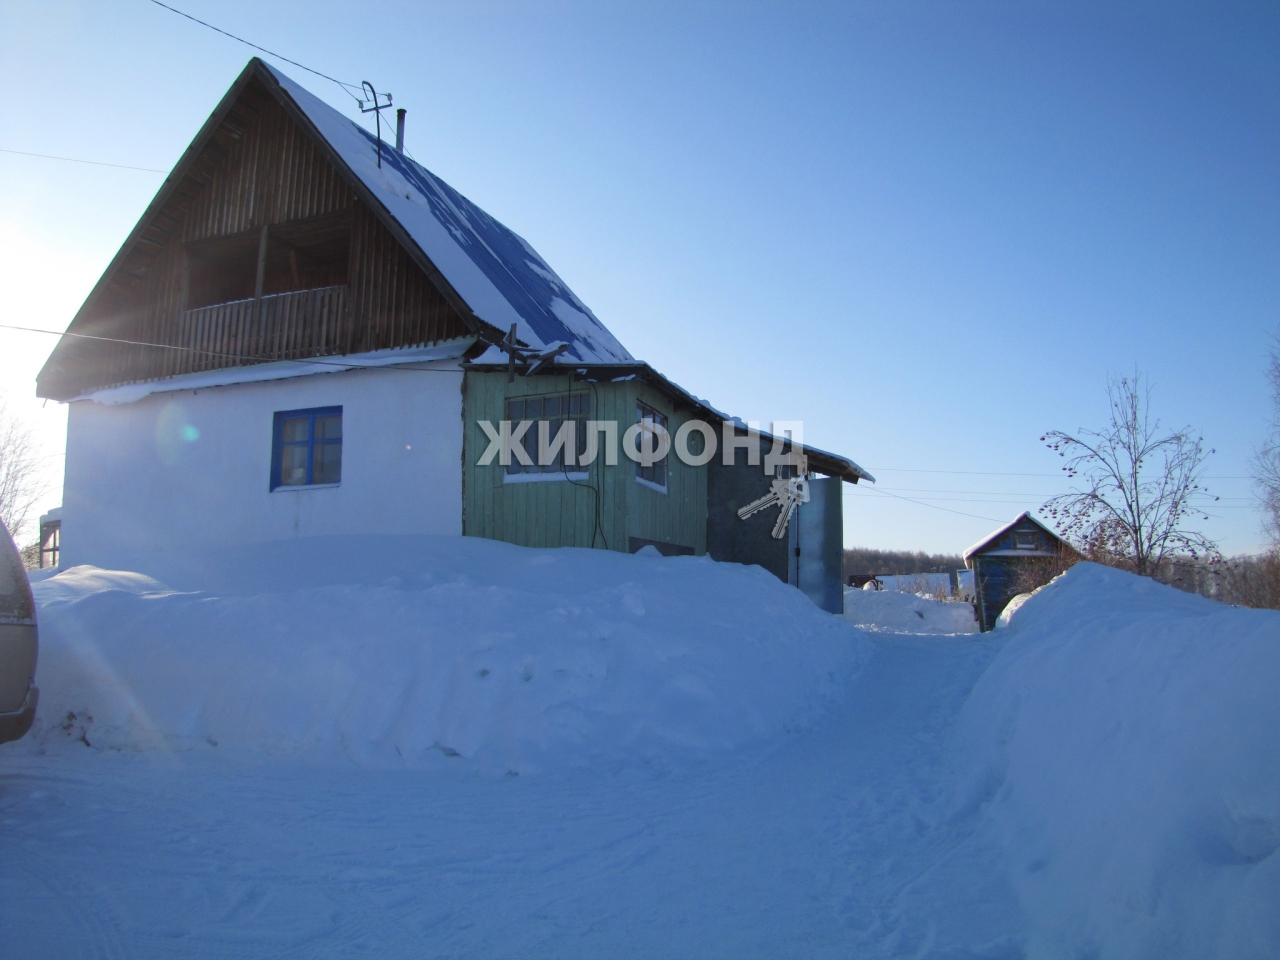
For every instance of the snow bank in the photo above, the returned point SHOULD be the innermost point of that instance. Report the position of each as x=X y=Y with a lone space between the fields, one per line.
x=894 y=612
x=425 y=650
x=1125 y=750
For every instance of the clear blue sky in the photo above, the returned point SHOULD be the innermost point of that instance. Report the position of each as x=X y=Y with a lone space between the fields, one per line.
x=929 y=230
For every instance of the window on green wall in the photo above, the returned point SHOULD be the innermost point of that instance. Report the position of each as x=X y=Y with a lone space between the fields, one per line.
x=655 y=474
x=556 y=411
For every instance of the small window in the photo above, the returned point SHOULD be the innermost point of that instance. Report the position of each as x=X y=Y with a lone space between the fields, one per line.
x=655 y=473
x=50 y=542
x=565 y=408
x=1024 y=540
x=307 y=450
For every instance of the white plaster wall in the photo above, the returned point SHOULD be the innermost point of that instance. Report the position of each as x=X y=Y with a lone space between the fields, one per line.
x=138 y=478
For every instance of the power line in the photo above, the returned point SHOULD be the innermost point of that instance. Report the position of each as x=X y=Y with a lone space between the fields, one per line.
x=994 y=493
x=348 y=87
x=1012 y=493
x=96 y=163
x=972 y=473
x=921 y=503
x=995 y=472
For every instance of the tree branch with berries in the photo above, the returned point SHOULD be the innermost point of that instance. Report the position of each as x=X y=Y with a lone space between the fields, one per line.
x=1139 y=487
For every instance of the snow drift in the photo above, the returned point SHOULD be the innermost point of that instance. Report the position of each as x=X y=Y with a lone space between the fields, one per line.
x=1125 y=750
x=425 y=650
x=895 y=612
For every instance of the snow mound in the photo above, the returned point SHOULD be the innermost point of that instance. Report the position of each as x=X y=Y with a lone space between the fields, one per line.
x=426 y=650
x=1124 y=748
x=892 y=612
x=1010 y=608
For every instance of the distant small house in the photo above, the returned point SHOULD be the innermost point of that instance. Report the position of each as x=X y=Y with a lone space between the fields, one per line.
x=1018 y=547
x=309 y=334
x=50 y=537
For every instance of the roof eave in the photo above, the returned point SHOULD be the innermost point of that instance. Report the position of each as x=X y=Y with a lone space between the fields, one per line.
x=831 y=464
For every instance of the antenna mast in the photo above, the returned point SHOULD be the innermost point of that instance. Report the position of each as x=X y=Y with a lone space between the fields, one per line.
x=375 y=106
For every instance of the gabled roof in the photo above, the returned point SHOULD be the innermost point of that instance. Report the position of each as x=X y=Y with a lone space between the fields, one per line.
x=487 y=273
x=1024 y=517
x=494 y=270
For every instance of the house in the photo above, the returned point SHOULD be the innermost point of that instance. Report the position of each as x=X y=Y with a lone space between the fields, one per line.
x=309 y=334
x=50 y=533
x=1012 y=559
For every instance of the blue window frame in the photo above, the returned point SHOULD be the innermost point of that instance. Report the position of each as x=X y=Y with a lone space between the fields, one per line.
x=306 y=450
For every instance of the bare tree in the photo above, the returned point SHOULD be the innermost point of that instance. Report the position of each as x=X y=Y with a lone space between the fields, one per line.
x=1266 y=463
x=1140 y=485
x=19 y=469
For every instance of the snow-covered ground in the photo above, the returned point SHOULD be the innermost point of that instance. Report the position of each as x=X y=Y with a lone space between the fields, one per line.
x=895 y=612
x=1124 y=748
x=460 y=748
x=406 y=651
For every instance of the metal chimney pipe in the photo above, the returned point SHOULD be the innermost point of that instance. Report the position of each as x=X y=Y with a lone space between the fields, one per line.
x=400 y=129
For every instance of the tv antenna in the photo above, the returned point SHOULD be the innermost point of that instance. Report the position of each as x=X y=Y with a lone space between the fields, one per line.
x=373 y=104
x=532 y=360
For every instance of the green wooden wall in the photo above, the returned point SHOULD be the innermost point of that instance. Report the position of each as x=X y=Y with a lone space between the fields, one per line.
x=680 y=515
x=557 y=513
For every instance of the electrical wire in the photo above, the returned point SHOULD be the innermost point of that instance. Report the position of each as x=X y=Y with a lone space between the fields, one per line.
x=994 y=473
x=1024 y=498
x=595 y=489
x=96 y=163
x=922 y=503
x=993 y=493
x=885 y=493
x=348 y=87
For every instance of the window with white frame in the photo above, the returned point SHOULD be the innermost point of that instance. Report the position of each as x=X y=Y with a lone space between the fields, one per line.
x=656 y=473
x=307 y=448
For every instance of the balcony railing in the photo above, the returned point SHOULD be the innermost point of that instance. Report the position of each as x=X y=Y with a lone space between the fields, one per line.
x=282 y=326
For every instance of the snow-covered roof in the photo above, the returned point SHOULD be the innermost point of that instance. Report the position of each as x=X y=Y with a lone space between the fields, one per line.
x=438 y=356
x=495 y=271
x=992 y=537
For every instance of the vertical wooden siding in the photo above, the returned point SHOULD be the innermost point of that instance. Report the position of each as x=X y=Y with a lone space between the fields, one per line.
x=680 y=515
x=557 y=513
x=393 y=304
x=260 y=169
x=273 y=174
x=553 y=513
x=284 y=326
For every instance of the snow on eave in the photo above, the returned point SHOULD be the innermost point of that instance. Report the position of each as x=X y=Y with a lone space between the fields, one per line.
x=452 y=350
x=493 y=271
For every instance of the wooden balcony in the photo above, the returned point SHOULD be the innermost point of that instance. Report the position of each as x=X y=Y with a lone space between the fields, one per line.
x=282 y=326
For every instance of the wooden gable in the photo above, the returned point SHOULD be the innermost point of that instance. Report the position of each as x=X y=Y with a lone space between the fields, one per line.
x=1024 y=536
x=258 y=248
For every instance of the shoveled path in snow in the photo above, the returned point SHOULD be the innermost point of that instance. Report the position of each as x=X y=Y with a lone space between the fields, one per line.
x=833 y=842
